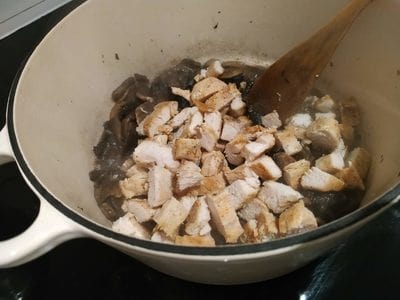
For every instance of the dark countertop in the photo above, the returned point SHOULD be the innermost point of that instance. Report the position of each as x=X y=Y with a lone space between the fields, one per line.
x=366 y=266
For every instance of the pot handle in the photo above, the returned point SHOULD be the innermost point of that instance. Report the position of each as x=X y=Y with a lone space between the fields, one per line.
x=49 y=229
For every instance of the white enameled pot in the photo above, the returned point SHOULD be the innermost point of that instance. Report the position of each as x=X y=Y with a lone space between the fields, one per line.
x=62 y=97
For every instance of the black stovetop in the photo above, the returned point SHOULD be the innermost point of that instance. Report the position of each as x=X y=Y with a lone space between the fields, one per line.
x=366 y=266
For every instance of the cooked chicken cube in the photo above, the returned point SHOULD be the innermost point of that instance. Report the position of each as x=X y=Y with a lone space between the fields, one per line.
x=161 y=114
x=135 y=185
x=195 y=240
x=324 y=104
x=212 y=163
x=206 y=88
x=161 y=139
x=296 y=219
x=360 y=159
x=241 y=192
x=253 y=150
x=271 y=120
x=170 y=217
x=262 y=229
x=224 y=217
x=266 y=168
x=150 y=152
x=233 y=149
x=140 y=208
x=267 y=139
x=241 y=172
x=302 y=120
x=161 y=237
x=330 y=163
x=351 y=178
x=182 y=117
x=293 y=172
x=221 y=99
x=130 y=226
x=349 y=112
x=282 y=159
x=208 y=137
x=317 y=180
x=324 y=134
x=252 y=209
x=187 y=149
x=160 y=186
x=278 y=196
x=214 y=69
x=197 y=223
x=212 y=184
x=195 y=121
x=238 y=107
x=214 y=121
x=185 y=94
x=289 y=143
x=188 y=176
x=325 y=115
x=188 y=201
x=231 y=128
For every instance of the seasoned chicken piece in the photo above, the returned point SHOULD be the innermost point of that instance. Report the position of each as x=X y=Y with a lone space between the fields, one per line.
x=161 y=114
x=214 y=121
x=324 y=134
x=214 y=69
x=253 y=150
x=224 y=216
x=188 y=176
x=271 y=120
x=262 y=229
x=208 y=137
x=150 y=152
x=296 y=219
x=170 y=217
x=136 y=184
x=302 y=120
x=351 y=178
x=317 y=180
x=278 y=196
x=140 y=208
x=212 y=163
x=212 y=184
x=182 y=117
x=360 y=159
x=220 y=99
x=289 y=143
x=293 y=172
x=206 y=88
x=201 y=75
x=325 y=115
x=188 y=201
x=349 y=112
x=330 y=163
x=129 y=226
x=241 y=172
x=197 y=223
x=161 y=237
x=252 y=209
x=241 y=192
x=195 y=121
x=195 y=240
x=232 y=127
x=160 y=186
x=267 y=139
x=185 y=94
x=161 y=139
x=187 y=149
x=282 y=159
x=266 y=168
x=324 y=104
x=238 y=107
x=233 y=149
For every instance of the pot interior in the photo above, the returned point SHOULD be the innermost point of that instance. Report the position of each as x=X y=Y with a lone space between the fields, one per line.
x=63 y=95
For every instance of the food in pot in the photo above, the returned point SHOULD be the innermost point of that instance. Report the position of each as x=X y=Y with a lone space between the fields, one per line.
x=180 y=161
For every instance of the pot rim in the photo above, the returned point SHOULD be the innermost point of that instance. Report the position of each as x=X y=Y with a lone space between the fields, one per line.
x=322 y=231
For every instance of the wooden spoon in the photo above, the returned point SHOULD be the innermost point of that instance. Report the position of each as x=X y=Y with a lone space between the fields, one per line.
x=285 y=84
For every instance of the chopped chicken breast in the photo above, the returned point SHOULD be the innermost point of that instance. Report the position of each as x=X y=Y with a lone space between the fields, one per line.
x=278 y=196
x=161 y=237
x=238 y=107
x=130 y=226
x=324 y=104
x=317 y=180
x=266 y=168
x=289 y=143
x=360 y=159
x=302 y=120
x=160 y=186
x=271 y=120
x=182 y=117
x=293 y=172
x=330 y=163
x=185 y=94
x=241 y=192
x=351 y=178
x=215 y=69
x=224 y=216
x=212 y=184
x=195 y=121
x=252 y=209
x=161 y=114
x=296 y=219
x=197 y=241
x=214 y=121
x=212 y=163
x=140 y=208
x=197 y=223
x=135 y=185
x=325 y=115
x=253 y=150
x=161 y=139
x=149 y=152
x=231 y=128
x=187 y=149
x=221 y=99
x=261 y=229
x=206 y=88
x=208 y=137
x=188 y=176
x=241 y=172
